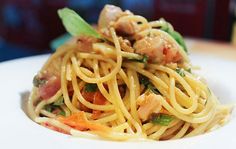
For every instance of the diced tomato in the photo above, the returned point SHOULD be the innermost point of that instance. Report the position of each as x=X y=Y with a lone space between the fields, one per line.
x=95 y=98
x=99 y=99
x=50 y=88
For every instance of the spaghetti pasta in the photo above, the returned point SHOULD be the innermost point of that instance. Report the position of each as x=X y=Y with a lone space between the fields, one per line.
x=131 y=81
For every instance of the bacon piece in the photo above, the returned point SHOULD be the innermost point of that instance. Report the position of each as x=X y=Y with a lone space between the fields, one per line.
x=52 y=85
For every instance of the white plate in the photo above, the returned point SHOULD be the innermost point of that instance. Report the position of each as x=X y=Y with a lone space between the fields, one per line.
x=18 y=131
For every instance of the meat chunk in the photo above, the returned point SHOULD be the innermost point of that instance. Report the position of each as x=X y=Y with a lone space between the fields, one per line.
x=171 y=55
x=85 y=43
x=148 y=104
x=113 y=14
x=108 y=14
x=157 y=49
x=126 y=27
x=52 y=85
x=152 y=47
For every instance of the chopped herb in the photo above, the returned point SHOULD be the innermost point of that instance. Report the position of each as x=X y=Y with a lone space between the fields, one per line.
x=48 y=108
x=161 y=119
x=75 y=25
x=180 y=71
x=89 y=87
x=38 y=81
x=143 y=60
x=153 y=89
x=54 y=109
x=145 y=81
x=59 y=101
x=189 y=70
x=63 y=113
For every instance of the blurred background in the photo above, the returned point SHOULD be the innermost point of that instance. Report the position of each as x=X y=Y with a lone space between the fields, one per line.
x=27 y=27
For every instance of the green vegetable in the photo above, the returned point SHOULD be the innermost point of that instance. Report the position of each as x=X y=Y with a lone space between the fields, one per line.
x=180 y=40
x=48 y=108
x=38 y=81
x=177 y=36
x=189 y=70
x=180 y=71
x=59 y=101
x=63 y=113
x=145 y=81
x=161 y=119
x=153 y=89
x=90 y=87
x=75 y=25
x=54 y=109
x=143 y=60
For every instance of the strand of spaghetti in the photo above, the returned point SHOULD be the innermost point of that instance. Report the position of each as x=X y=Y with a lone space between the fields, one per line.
x=171 y=72
x=136 y=84
x=184 y=100
x=137 y=19
x=121 y=127
x=116 y=135
x=39 y=106
x=121 y=118
x=64 y=83
x=206 y=109
x=81 y=99
x=193 y=82
x=158 y=81
x=68 y=72
x=176 y=76
x=174 y=102
x=189 y=118
x=122 y=107
x=92 y=56
x=133 y=97
x=111 y=74
x=157 y=135
x=126 y=100
x=42 y=103
x=214 y=122
x=155 y=128
x=107 y=119
x=147 y=126
x=48 y=114
x=59 y=52
x=182 y=131
x=200 y=129
x=66 y=110
x=87 y=72
x=161 y=23
x=172 y=130
x=124 y=77
x=100 y=85
x=53 y=122
x=30 y=104
x=81 y=134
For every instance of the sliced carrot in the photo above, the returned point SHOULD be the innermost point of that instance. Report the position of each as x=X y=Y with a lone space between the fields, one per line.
x=80 y=122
